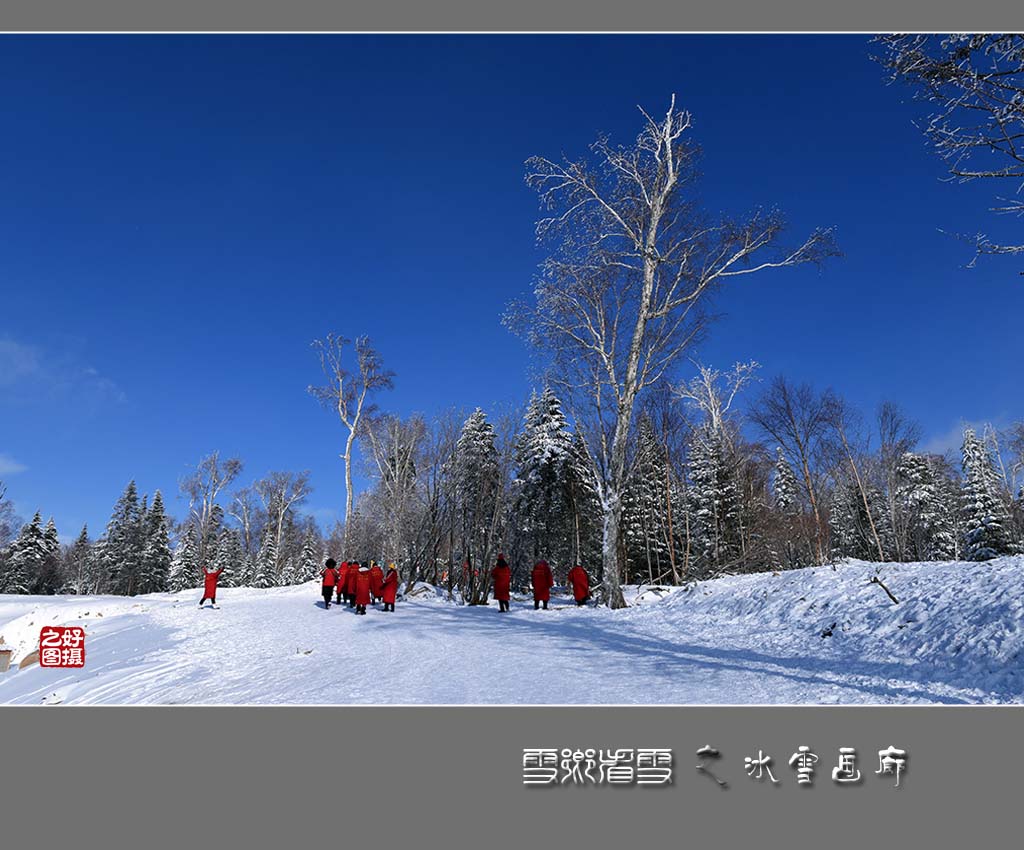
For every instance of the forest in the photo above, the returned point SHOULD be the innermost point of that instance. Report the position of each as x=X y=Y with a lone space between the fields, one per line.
x=632 y=457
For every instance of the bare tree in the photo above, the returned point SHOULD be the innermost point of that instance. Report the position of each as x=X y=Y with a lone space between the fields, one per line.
x=203 y=488
x=797 y=419
x=280 y=493
x=621 y=297
x=246 y=507
x=897 y=436
x=843 y=420
x=976 y=83
x=396 y=449
x=713 y=392
x=1015 y=443
x=8 y=521
x=347 y=392
x=670 y=428
x=438 y=483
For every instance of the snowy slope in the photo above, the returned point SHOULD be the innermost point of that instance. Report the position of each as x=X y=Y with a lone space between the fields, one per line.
x=955 y=637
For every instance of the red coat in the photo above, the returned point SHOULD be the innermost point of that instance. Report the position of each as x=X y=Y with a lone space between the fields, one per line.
x=363 y=587
x=580 y=583
x=542 y=581
x=330 y=577
x=350 y=579
x=390 y=587
x=210 y=582
x=343 y=577
x=502 y=576
x=376 y=580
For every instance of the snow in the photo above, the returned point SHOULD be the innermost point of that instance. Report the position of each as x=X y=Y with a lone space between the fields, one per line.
x=955 y=637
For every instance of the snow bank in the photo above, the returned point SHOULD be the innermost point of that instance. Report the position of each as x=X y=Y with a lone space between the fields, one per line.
x=954 y=637
x=960 y=622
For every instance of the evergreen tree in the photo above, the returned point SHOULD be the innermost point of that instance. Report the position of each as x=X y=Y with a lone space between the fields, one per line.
x=931 y=513
x=50 y=538
x=845 y=508
x=185 y=571
x=48 y=579
x=644 y=512
x=587 y=516
x=851 y=530
x=784 y=536
x=294 y=535
x=122 y=546
x=78 y=565
x=25 y=559
x=265 y=569
x=541 y=509
x=309 y=563
x=9 y=523
x=477 y=486
x=986 y=518
x=247 y=575
x=211 y=536
x=715 y=500
x=784 y=486
x=230 y=558
x=155 y=567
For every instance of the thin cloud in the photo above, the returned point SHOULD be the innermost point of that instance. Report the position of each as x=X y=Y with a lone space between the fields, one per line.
x=18 y=363
x=952 y=439
x=9 y=466
x=29 y=374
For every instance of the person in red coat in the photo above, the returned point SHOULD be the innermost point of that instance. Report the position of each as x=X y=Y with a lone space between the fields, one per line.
x=342 y=579
x=350 y=582
x=543 y=581
x=389 y=588
x=362 y=590
x=376 y=580
x=210 y=586
x=580 y=582
x=329 y=580
x=501 y=575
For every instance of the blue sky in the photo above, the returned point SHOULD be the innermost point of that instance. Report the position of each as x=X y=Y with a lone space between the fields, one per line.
x=181 y=216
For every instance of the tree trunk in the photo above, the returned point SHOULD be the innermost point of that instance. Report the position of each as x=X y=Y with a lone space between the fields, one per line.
x=671 y=538
x=348 y=483
x=863 y=497
x=576 y=556
x=805 y=469
x=610 y=551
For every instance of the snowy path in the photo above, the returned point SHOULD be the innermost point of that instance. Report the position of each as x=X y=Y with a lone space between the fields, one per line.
x=955 y=638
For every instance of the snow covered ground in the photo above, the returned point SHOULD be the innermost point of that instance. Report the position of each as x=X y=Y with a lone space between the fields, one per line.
x=955 y=637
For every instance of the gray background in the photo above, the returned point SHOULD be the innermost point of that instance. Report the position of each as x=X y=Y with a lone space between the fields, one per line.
x=452 y=777
x=523 y=15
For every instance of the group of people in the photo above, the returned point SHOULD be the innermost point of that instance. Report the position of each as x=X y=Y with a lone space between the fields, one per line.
x=542 y=581
x=358 y=584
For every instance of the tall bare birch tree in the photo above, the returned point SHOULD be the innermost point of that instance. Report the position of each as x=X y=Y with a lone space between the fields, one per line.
x=347 y=392
x=203 y=487
x=397 y=446
x=280 y=493
x=632 y=260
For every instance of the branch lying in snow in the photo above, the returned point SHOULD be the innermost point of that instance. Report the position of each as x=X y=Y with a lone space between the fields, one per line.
x=878 y=581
